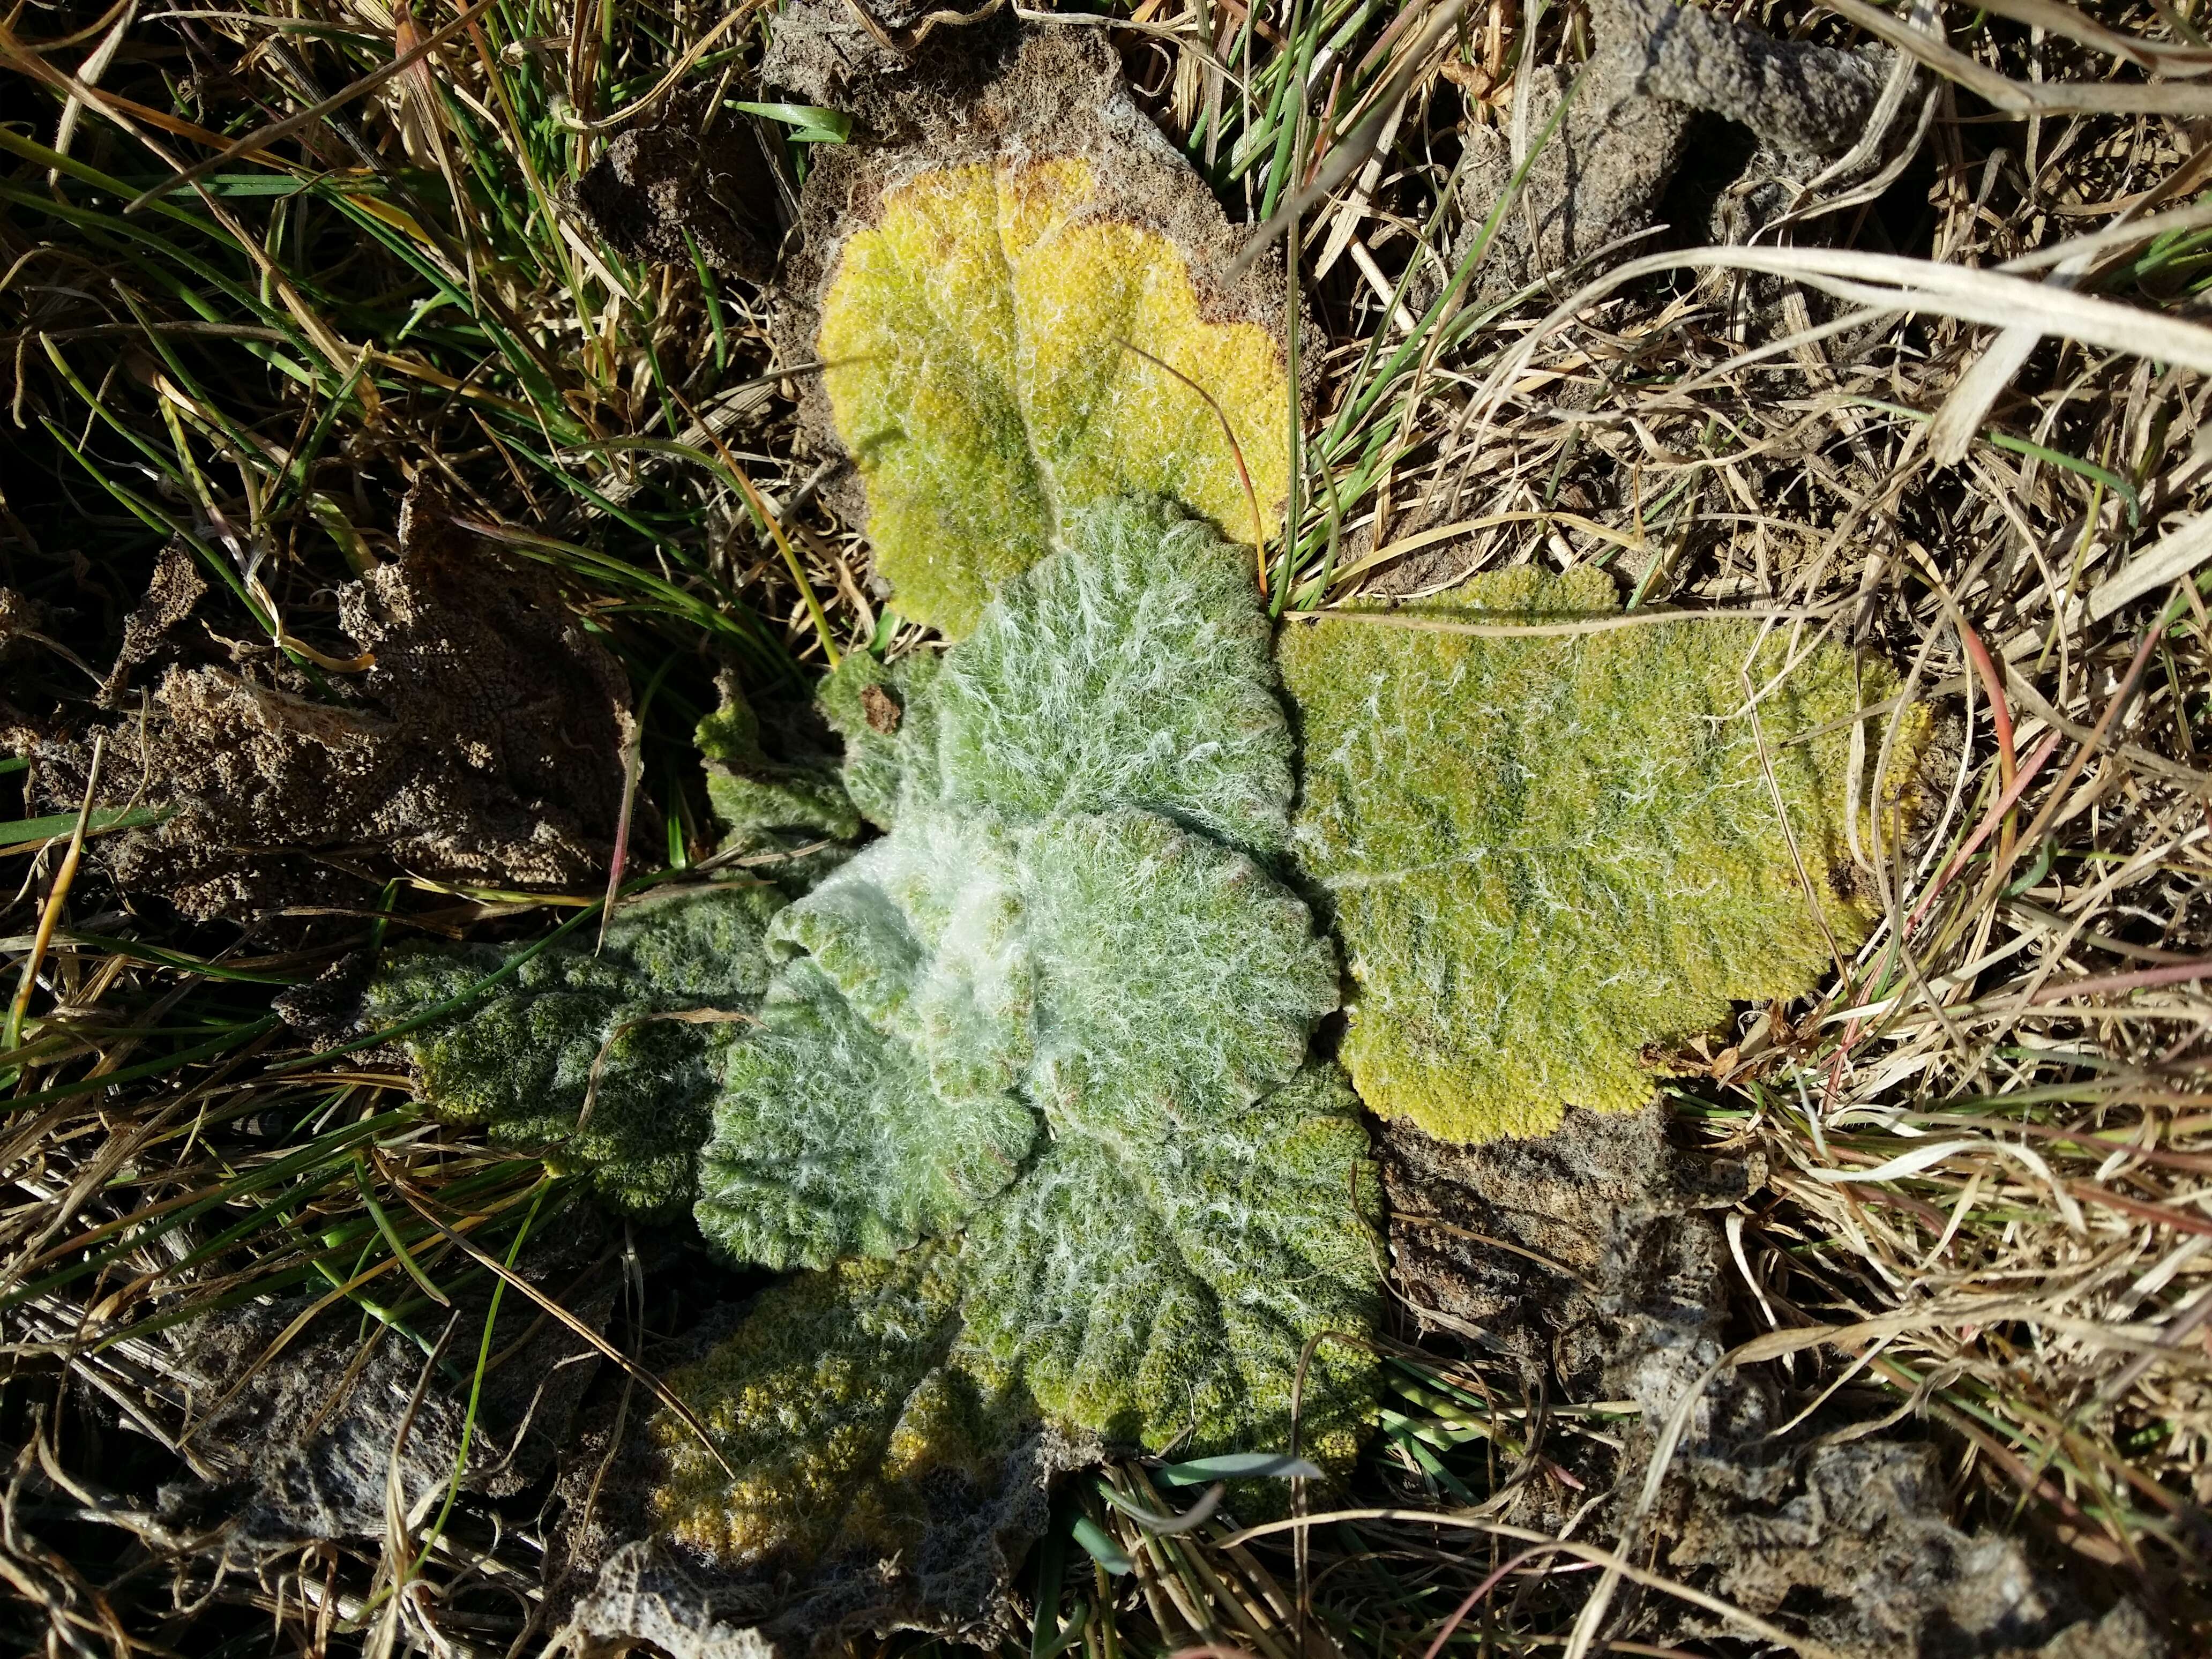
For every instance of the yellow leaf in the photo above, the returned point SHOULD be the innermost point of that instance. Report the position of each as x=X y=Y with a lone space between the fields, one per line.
x=976 y=337
x=1547 y=855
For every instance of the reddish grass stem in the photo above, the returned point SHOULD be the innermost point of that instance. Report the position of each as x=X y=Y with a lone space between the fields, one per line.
x=1236 y=454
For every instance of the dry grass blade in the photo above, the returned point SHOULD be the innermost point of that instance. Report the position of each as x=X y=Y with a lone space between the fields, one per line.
x=50 y=915
x=1345 y=156
x=606 y=1350
x=1235 y=452
x=2171 y=559
x=1887 y=283
x=1749 y=1624
x=2021 y=97
x=274 y=131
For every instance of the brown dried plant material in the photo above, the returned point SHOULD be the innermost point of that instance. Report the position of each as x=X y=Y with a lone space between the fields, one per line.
x=307 y=1444
x=177 y=586
x=1552 y=1245
x=481 y=745
x=18 y=621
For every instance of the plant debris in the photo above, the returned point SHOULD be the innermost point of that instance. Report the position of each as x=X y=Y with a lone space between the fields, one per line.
x=1547 y=1247
x=886 y=60
x=326 y=1435
x=1593 y=1258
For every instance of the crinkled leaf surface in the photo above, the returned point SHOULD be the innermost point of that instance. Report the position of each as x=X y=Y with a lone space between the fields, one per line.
x=961 y=976
x=1547 y=853
x=749 y=791
x=1155 y=1289
x=883 y=712
x=520 y=1060
x=977 y=373
x=831 y=1401
x=1028 y=952
x=1175 y=981
x=1157 y=1295
x=923 y=933
x=779 y=799
x=1135 y=673
x=828 y=1140
x=1061 y=1033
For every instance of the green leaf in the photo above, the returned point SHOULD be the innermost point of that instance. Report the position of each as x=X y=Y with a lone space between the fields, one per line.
x=1161 y=1293
x=642 y=1014
x=1547 y=853
x=828 y=1141
x=1052 y=1028
x=785 y=802
x=836 y=1404
x=1098 y=1544
x=924 y=933
x=811 y=123
x=1177 y=982
x=1136 y=675
x=1156 y=1296
x=1235 y=1466
x=885 y=715
x=1007 y=950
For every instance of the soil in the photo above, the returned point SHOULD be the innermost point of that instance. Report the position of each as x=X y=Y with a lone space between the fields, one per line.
x=880 y=62
x=1594 y=1260
x=477 y=737
x=652 y=184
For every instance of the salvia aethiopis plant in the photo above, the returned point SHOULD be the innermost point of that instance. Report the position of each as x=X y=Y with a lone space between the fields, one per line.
x=1548 y=852
x=601 y=1061
x=762 y=798
x=1029 y=1090
x=1027 y=311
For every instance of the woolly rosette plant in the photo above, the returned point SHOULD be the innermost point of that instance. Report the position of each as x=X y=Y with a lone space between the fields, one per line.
x=1022 y=1088
x=603 y=1056
x=1030 y=1093
x=1029 y=306
x=1552 y=848
x=601 y=1061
